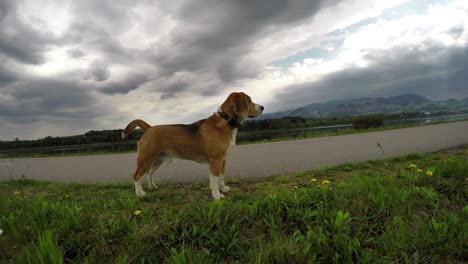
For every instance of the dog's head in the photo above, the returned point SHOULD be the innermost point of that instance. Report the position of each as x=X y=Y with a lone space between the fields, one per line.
x=240 y=106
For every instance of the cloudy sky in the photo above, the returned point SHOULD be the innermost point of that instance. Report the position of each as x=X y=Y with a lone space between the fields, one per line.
x=67 y=67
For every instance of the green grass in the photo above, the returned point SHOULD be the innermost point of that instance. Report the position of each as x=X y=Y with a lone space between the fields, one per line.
x=377 y=211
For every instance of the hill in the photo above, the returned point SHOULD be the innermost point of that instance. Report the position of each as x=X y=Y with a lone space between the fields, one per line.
x=362 y=106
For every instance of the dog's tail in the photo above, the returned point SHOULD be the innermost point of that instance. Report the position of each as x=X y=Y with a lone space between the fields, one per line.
x=135 y=123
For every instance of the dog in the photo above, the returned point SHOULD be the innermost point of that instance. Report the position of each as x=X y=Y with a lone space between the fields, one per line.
x=205 y=141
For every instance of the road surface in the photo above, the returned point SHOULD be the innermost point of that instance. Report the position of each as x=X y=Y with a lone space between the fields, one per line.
x=247 y=161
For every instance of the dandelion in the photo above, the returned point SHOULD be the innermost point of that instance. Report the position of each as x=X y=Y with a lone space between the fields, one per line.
x=137 y=212
x=295 y=186
x=325 y=182
x=412 y=165
x=419 y=170
x=16 y=193
x=429 y=173
x=313 y=180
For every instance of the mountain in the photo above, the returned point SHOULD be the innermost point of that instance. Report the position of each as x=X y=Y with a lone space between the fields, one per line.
x=408 y=99
x=362 y=106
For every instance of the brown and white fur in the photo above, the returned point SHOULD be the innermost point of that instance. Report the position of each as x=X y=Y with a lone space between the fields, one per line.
x=206 y=141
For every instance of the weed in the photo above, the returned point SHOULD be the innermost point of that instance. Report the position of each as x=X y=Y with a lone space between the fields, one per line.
x=46 y=251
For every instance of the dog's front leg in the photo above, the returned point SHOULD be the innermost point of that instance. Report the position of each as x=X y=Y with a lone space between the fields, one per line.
x=215 y=172
x=222 y=185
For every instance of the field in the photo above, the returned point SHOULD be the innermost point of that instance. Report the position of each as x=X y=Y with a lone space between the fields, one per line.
x=411 y=209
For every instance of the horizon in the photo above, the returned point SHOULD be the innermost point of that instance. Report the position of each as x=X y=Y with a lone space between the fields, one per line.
x=65 y=73
x=267 y=113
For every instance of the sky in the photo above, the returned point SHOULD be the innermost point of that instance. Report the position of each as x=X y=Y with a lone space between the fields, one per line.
x=67 y=67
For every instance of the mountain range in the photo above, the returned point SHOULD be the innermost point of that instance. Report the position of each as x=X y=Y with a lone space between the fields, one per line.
x=362 y=106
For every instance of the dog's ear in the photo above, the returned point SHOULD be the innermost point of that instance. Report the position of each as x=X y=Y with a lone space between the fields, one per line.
x=240 y=105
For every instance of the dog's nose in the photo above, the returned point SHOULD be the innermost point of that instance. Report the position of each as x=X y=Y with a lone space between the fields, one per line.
x=261 y=107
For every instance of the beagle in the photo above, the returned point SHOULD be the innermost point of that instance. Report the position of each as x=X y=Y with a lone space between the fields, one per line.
x=205 y=141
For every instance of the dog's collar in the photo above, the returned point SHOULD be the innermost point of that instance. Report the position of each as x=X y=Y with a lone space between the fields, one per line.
x=231 y=121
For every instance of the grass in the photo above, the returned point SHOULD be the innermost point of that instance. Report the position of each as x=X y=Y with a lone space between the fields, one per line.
x=377 y=211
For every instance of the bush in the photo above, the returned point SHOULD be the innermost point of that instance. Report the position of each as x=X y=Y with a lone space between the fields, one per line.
x=368 y=121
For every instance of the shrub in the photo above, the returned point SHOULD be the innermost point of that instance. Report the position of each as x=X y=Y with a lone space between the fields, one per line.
x=368 y=121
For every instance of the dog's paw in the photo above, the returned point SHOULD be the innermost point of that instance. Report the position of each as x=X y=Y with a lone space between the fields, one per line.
x=225 y=189
x=141 y=194
x=221 y=196
x=217 y=195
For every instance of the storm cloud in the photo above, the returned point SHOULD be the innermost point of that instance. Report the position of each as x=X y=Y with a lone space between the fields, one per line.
x=437 y=72
x=220 y=43
x=74 y=66
x=19 y=41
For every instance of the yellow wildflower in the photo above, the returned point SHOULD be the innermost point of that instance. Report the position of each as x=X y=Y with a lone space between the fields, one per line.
x=16 y=193
x=295 y=186
x=412 y=165
x=419 y=170
x=137 y=212
x=325 y=182
x=313 y=180
x=429 y=173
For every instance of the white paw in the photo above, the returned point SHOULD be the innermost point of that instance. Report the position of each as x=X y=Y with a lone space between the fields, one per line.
x=225 y=188
x=216 y=195
x=222 y=196
x=141 y=194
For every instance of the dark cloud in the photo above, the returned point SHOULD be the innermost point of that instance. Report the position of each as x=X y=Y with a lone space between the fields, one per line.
x=125 y=86
x=6 y=75
x=456 y=31
x=5 y=7
x=172 y=89
x=75 y=53
x=229 y=72
x=98 y=71
x=18 y=40
x=36 y=98
x=99 y=40
x=220 y=43
x=438 y=72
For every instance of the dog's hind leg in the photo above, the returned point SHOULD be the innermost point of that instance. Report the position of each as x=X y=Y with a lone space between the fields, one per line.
x=151 y=175
x=138 y=177
x=222 y=185
x=143 y=167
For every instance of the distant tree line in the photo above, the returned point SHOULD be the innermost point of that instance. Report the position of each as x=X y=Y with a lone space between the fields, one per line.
x=91 y=137
x=293 y=122
x=112 y=136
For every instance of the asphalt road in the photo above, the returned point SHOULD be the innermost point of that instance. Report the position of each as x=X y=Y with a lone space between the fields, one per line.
x=247 y=161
